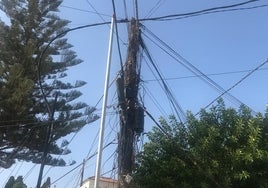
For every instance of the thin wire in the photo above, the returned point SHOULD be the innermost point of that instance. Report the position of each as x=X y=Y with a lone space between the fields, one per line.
x=212 y=12
x=29 y=172
x=107 y=160
x=236 y=84
x=156 y=103
x=125 y=9
x=211 y=74
x=19 y=168
x=75 y=179
x=94 y=154
x=11 y=172
x=204 y=11
x=155 y=8
x=179 y=111
x=192 y=68
x=117 y=36
x=83 y=10
x=157 y=124
x=95 y=10
x=58 y=157
x=159 y=82
x=136 y=9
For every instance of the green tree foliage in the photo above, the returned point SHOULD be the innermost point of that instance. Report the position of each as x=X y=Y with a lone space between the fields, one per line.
x=10 y=182
x=18 y=183
x=221 y=148
x=24 y=115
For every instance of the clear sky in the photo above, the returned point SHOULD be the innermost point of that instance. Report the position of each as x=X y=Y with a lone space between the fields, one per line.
x=231 y=42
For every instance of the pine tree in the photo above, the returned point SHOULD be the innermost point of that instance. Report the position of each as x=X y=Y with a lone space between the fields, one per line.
x=25 y=111
x=18 y=183
x=10 y=182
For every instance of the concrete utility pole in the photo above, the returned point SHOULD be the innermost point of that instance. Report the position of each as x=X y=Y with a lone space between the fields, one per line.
x=131 y=114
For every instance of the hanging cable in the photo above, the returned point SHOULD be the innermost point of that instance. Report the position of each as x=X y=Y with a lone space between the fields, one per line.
x=175 y=104
x=154 y=100
x=117 y=37
x=211 y=74
x=197 y=13
x=167 y=49
x=83 y=10
x=125 y=9
x=136 y=8
x=94 y=154
x=160 y=83
x=95 y=10
x=155 y=8
x=236 y=84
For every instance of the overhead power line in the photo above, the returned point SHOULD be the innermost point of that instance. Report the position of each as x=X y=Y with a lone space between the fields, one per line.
x=211 y=74
x=94 y=154
x=205 y=11
x=155 y=8
x=95 y=10
x=236 y=84
x=189 y=66
x=178 y=109
x=83 y=10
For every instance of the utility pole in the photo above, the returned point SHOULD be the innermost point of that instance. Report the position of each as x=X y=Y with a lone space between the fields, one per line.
x=104 y=105
x=82 y=173
x=131 y=113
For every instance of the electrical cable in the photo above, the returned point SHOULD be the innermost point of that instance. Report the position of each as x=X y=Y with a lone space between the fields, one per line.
x=112 y=155
x=95 y=10
x=125 y=9
x=83 y=10
x=87 y=26
x=236 y=84
x=211 y=74
x=155 y=8
x=156 y=103
x=204 y=11
x=117 y=37
x=29 y=172
x=192 y=68
x=156 y=123
x=159 y=82
x=136 y=9
x=178 y=109
x=11 y=173
x=94 y=154
x=212 y=12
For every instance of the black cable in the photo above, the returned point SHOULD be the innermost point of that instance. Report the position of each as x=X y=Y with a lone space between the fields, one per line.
x=212 y=12
x=178 y=16
x=154 y=8
x=236 y=84
x=211 y=74
x=117 y=37
x=94 y=154
x=156 y=103
x=83 y=10
x=159 y=82
x=136 y=9
x=177 y=107
x=157 y=124
x=176 y=56
x=125 y=9
x=95 y=10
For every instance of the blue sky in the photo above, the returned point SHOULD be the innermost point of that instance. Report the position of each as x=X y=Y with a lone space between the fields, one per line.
x=214 y=43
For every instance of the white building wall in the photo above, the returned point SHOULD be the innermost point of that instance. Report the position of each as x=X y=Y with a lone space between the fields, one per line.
x=103 y=183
